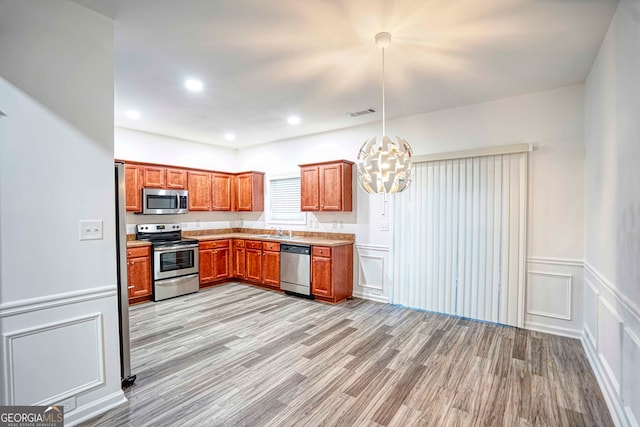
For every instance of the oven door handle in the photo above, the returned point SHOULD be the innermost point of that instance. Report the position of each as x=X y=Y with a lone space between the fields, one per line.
x=173 y=248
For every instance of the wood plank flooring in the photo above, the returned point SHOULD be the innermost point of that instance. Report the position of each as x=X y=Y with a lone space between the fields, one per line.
x=235 y=355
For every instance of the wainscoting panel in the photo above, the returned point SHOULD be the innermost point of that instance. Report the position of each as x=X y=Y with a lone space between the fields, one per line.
x=631 y=385
x=554 y=296
x=611 y=341
x=549 y=295
x=60 y=347
x=591 y=297
x=373 y=276
x=51 y=351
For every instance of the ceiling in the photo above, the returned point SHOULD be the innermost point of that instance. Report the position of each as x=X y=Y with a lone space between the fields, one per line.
x=261 y=61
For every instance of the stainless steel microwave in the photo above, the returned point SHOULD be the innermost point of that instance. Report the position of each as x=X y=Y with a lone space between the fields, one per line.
x=156 y=201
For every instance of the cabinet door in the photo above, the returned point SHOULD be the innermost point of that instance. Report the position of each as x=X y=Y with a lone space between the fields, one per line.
x=321 y=277
x=309 y=188
x=176 y=178
x=253 y=267
x=133 y=182
x=139 y=274
x=207 y=267
x=239 y=263
x=153 y=177
x=221 y=263
x=221 y=192
x=199 y=185
x=331 y=187
x=244 y=189
x=271 y=268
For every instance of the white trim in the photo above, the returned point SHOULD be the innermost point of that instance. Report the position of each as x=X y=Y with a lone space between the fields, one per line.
x=365 y=246
x=568 y=307
x=554 y=330
x=556 y=261
x=9 y=368
x=636 y=341
x=629 y=305
x=474 y=152
x=613 y=403
x=41 y=303
x=94 y=408
x=377 y=298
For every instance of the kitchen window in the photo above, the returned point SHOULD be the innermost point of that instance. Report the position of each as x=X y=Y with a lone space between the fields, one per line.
x=284 y=200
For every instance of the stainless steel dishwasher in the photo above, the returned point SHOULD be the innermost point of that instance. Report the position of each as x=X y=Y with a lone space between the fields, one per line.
x=295 y=269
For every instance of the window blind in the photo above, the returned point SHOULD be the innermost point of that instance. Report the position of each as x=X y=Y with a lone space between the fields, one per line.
x=285 y=200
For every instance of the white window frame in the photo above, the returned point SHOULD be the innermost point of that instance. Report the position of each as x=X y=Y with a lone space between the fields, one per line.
x=268 y=219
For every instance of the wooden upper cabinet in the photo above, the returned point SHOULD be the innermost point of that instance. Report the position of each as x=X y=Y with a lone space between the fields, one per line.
x=176 y=178
x=221 y=191
x=249 y=192
x=199 y=184
x=310 y=188
x=327 y=186
x=153 y=177
x=133 y=182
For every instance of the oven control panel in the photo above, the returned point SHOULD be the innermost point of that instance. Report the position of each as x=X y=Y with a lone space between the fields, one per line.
x=157 y=228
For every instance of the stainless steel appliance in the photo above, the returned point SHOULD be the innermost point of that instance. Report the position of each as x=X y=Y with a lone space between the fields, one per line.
x=175 y=260
x=156 y=201
x=123 y=282
x=295 y=269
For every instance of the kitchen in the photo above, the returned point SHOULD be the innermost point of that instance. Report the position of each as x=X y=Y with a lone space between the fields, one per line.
x=569 y=178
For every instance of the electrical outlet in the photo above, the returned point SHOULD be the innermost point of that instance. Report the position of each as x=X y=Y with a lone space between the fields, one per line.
x=69 y=404
x=335 y=224
x=91 y=229
x=384 y=226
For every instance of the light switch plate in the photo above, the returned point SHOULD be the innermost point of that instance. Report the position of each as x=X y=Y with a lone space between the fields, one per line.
x=91 y=229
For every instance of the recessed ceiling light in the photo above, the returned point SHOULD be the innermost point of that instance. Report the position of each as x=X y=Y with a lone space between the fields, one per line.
x=193 y=85
x=132 y=114
x=229 y=136
x=293 y=120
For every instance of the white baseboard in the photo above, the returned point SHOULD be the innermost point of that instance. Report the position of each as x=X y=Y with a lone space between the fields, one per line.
x=95 y=408
x=378 y=298
x=554 y=330
x=613 y=403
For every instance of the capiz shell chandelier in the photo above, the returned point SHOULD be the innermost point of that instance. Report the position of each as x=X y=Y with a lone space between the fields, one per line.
x=384 y=167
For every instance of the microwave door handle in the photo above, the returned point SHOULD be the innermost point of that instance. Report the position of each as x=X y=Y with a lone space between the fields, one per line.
x=177 y=201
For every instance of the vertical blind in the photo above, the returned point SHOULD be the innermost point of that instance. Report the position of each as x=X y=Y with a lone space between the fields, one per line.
x=459 y=238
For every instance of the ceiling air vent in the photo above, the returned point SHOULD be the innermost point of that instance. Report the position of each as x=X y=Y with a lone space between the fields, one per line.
x=362 y=113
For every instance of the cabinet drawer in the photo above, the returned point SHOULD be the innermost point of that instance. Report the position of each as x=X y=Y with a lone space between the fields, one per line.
x=253 y=244
x=238 y=243
x=137 y=252
x=213 y=244
x=271 y=246
x=321 y=251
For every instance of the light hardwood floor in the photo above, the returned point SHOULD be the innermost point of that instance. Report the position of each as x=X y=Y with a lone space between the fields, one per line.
x=235 y=355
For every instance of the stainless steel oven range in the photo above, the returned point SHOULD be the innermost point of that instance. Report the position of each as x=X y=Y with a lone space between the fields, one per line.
x=175 y=260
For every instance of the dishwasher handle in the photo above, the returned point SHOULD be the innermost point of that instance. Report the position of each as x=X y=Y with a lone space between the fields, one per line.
x=296 y=249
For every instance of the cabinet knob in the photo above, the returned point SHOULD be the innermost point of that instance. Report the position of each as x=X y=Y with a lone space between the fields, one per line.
x=130 y=287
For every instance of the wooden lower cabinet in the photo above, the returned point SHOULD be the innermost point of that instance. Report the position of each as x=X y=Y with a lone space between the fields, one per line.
x=139 y=273
x=271 y=264
x=215 y=261
x=332 y=272
x=238 y=259
x=253 y=264
x=262 y=263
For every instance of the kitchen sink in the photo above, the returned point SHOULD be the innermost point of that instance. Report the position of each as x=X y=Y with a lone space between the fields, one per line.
x=275 y=236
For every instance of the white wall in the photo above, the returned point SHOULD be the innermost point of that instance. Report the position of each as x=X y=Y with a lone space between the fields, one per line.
x=551 y=120
x=612 y=212
x=58 y=310
x=153 y=148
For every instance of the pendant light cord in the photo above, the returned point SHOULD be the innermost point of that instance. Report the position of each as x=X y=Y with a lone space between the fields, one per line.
x=384 y=130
